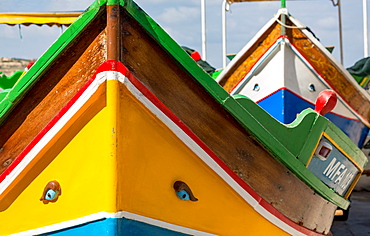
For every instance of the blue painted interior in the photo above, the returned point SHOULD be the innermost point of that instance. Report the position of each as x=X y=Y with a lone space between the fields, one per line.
x=114 y=226
x=285 y=105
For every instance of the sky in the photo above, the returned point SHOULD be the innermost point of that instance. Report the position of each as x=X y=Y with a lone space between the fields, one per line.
x=182 y=20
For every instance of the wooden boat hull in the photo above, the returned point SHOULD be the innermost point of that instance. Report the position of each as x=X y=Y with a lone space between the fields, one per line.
x=289 y=71
x=115 y=128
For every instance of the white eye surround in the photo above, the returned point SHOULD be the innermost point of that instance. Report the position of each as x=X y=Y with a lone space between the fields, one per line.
x=323 y=150
x=311 y=88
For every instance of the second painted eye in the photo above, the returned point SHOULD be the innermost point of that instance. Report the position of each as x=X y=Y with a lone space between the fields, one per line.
x=50 y=194
x=311 y=88
x=256 y=88
x=184 y=192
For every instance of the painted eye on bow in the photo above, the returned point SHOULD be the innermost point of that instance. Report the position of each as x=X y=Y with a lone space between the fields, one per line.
x=183 y=191
x=51 y=192
x=183 y=195
x=311 y=88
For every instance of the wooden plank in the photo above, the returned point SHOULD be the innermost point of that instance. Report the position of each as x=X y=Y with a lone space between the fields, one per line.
x=113 y=32
x=331 y=73
x=250 y=58
x=67 y=74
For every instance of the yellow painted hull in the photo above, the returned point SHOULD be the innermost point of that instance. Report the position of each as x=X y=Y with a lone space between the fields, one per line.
x=117 y=154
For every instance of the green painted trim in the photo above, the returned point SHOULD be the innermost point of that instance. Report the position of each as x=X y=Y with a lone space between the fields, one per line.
x=278 y=139
x=215 y=74
x=349 y=147
x=8 y=82
x=115 y=2
x=283 y=4
x=313 y=138
x=4 y=93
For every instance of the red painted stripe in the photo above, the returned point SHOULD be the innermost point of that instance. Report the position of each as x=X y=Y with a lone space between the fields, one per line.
x=119 y=67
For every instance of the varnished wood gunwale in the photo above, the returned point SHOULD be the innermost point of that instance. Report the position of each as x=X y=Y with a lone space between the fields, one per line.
x=220 y=132
x=333 y=75
x=243 y=66
x=65 y=76
x=113 y=32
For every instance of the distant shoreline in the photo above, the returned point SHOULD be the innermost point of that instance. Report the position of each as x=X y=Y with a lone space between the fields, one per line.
x=10 y=65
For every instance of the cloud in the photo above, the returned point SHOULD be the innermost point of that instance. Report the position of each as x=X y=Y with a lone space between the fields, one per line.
x=67 y=5
x=183 y=37
x=8 y=32
x=35 y=40
x=168 y=2
x=179 y=15
x=43 y=5
x=329 y=22
x=268 y=6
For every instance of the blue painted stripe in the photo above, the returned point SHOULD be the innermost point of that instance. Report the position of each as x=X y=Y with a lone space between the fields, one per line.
x=285 y=105
x=114 y=226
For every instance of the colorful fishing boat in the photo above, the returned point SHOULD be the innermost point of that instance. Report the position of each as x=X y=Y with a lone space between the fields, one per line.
x=284 y=67
x=115 y=130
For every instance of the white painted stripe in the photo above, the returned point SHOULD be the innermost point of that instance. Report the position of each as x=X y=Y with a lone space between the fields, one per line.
x=106 y=215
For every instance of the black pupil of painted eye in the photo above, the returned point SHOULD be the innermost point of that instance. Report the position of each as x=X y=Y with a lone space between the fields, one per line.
x=184 y=196
x=49 y=195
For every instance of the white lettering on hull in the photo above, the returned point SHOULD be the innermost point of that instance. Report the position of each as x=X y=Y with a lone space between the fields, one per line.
x=338 y=173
